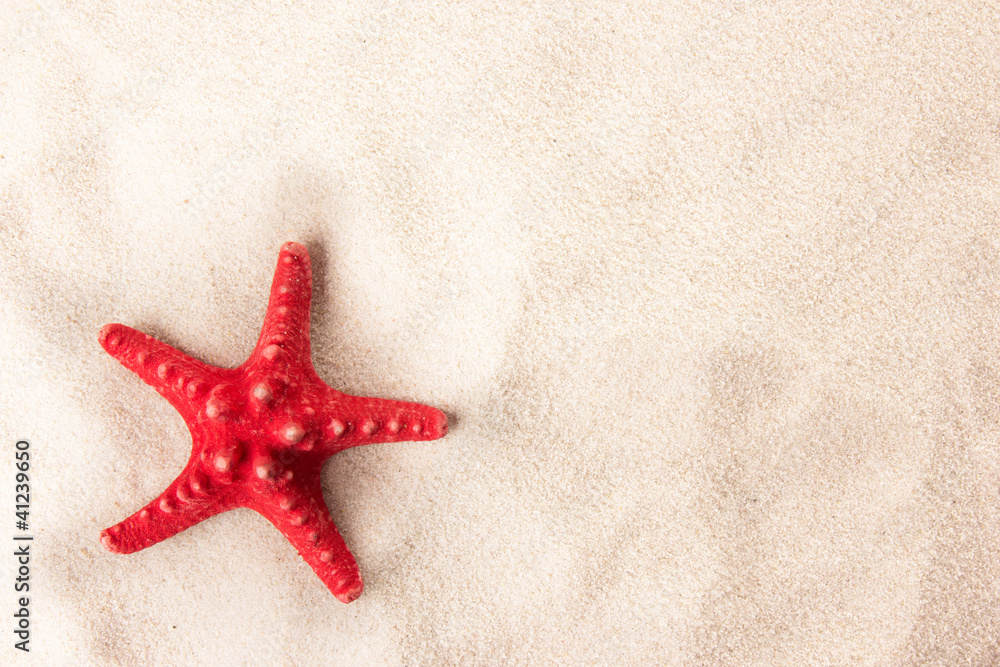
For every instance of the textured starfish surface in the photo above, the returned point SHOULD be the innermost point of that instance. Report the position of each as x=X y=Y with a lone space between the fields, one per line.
x=262 y=431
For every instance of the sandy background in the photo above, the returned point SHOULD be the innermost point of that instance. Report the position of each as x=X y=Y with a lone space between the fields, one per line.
x=709 y=290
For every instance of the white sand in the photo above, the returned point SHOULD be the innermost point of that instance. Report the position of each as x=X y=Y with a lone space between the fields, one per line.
x=710 y=293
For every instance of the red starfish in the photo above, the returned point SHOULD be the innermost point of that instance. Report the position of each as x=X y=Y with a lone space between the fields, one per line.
x=261 y=432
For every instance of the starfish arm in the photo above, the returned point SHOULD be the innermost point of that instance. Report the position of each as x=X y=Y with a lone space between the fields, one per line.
x=176 y=376
x=286 y=322
x=301 y=515
x=185 y=502
x=374 y=420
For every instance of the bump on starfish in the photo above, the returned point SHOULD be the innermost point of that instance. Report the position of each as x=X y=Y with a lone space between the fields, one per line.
x=261 y=432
